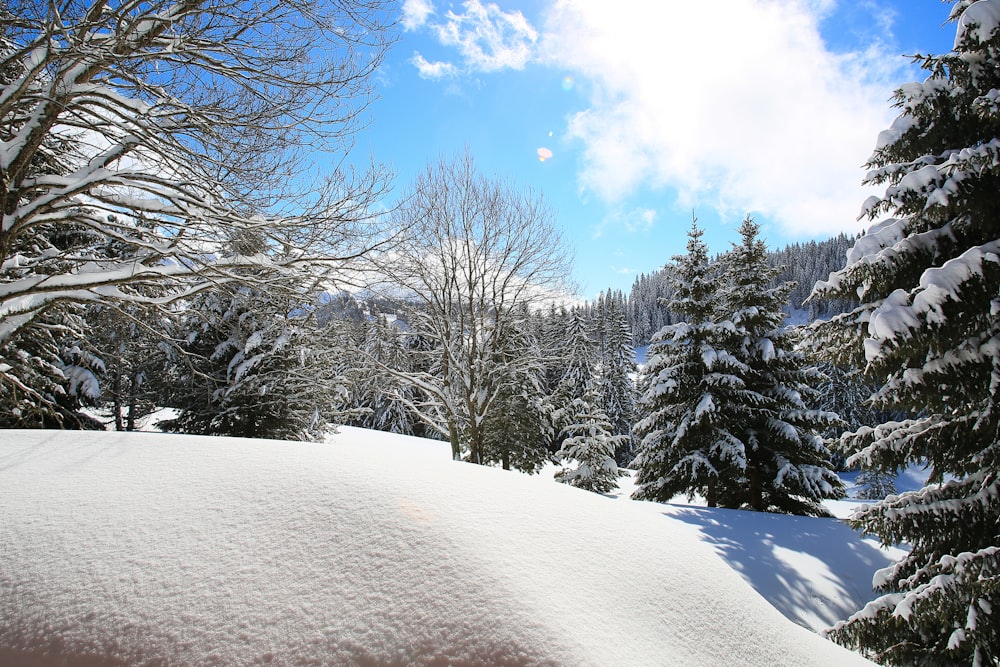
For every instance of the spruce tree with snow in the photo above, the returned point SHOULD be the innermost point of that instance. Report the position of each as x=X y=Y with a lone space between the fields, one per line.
x=577 y=359
x=588 y=442
x=785 y=466
x=685 y=445
x=928 y=279
x=874 y=484
x=519 y=431
x=48 y=373
x=128 y=341
x=380 y=397
x=246 y=367
x=616 y=370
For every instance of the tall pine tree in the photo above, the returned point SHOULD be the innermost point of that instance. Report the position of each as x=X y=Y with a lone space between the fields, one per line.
x=685 y=445
x=928 y=323
x=590 y=444
x=785 y=466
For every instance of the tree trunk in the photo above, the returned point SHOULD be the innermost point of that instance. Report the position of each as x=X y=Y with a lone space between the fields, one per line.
x=456 y=446
x=132 y=399
x=756 y=490
x=116 y=393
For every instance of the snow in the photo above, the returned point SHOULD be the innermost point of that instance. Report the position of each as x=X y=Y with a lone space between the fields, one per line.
x=978 y=22
x=900 y=126
x=376 y=549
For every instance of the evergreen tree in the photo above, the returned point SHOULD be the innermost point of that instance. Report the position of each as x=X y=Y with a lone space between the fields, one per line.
x=519 y=430
x=380 y=397
x=248 y=368
x=685 y=445
x=875 y=484
x=783 y=461
x=577 y=359
x=928 y=281
x=616 y=370
x=57 y=373
x=587 y=440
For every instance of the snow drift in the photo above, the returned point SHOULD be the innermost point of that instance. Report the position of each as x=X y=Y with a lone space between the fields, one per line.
x=368 y=550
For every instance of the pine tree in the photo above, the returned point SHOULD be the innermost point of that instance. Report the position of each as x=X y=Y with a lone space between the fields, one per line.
x=379 y=396
x=928 y=323
x=875 y=484
x=249 y=367
x=587 y=440
x=785 y=465
x=685 y=445
x=577 y=359
x=518 y=431
x=616 y=370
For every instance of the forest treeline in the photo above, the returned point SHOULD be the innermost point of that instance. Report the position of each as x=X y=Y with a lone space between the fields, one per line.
x=802 y=264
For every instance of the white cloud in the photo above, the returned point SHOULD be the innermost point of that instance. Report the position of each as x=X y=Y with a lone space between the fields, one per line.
x=416 y=13
x=740 y=106
x=487 y=38
x=432 y=70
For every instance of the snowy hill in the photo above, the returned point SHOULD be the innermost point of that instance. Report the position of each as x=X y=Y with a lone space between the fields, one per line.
x=371 y=549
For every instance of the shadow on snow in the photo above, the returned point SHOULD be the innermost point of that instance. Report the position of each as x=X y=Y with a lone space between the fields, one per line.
x=814 y=571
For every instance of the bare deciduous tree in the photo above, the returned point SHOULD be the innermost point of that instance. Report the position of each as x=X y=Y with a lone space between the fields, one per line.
x=172 y=128
x=141 y=140
x=477 y=252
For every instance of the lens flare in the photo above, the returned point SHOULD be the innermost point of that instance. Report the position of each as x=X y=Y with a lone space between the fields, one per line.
x=567 y=84
x=544 y=154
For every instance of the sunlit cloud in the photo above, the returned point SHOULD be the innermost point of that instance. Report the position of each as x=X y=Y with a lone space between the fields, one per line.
x=741 y=108
x=487 y=38
x=416 y=13
x=432 y=70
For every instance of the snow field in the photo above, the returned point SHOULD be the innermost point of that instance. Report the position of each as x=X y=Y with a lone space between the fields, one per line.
x=373 y=549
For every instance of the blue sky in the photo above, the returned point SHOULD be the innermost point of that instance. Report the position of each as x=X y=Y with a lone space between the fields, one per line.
x=652 y=110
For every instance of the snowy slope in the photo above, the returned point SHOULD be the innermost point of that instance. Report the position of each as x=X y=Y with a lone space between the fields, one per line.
x=814 y=571
x=370 y=550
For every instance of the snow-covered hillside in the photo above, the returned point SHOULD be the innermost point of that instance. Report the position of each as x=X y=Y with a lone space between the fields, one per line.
x=371 y=549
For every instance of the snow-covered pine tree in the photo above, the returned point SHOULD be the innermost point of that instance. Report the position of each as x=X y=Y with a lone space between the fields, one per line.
x=578 y=360
x=784 y=462
x=518 y=431
x=128 y=342
x=587 y=440
x=250 y=367
x=874 y=484
x=616 y=372
x=48 y=373
x=929 y=324
x=379 y=395
x=685 y=445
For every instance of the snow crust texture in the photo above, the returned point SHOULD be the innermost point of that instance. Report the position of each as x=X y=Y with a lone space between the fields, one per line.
x=370 y=549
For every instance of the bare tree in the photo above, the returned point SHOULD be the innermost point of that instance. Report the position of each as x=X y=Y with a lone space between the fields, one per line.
x=140 y=141
x=478 y=252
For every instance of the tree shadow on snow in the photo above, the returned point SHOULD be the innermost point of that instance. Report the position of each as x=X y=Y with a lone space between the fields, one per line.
x=814 y=571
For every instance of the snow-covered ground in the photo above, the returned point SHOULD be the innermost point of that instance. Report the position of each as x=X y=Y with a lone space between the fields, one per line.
x=375 y=549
